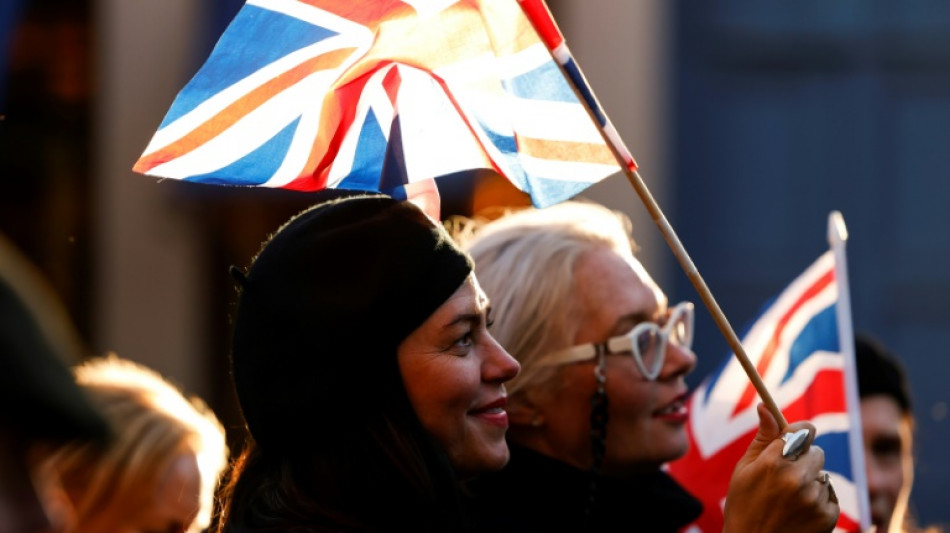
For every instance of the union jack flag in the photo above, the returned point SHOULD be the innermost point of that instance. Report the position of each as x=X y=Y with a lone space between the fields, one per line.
x=381 y=95
x=795 y=345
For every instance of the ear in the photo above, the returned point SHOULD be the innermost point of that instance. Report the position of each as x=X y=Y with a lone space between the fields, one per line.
x=524 y=413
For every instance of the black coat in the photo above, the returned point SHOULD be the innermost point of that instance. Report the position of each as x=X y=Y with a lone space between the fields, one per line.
x=535 y=493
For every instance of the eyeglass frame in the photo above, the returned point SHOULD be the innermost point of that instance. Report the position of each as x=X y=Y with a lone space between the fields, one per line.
x=626 y=344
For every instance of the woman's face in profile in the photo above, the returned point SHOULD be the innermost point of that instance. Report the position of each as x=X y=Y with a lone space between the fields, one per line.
x=454 y=373
x=646 y=419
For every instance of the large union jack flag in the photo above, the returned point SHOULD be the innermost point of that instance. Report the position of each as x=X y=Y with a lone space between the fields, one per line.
x=795 y=345
x=380 y=95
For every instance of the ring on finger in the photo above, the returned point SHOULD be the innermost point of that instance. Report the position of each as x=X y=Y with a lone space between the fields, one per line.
x=794 y=444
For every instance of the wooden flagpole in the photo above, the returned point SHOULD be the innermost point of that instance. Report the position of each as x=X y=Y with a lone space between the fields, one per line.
x=540 y=17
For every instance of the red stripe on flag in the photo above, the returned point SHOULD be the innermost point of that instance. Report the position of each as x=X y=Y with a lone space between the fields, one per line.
x=540 y=16
x=336 y=118
x=825 y=397
x=237 y=110
x=341 y=110
x=391 y=83
x=749 y=395
x=846 y=523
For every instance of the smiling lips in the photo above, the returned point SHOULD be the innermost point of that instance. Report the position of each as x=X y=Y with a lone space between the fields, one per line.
x=675 y=411
x=493 y=413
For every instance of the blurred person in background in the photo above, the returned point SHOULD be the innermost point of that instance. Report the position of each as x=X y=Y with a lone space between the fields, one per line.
x=887 y=422
x=159 y=473
x=42 y=407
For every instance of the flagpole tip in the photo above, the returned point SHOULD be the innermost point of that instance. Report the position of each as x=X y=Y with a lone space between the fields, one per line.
x=837 y=231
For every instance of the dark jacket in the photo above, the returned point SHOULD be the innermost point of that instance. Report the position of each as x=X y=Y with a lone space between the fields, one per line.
x=535 y=493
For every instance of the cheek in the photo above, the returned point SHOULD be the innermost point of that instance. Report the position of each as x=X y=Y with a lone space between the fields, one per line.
x=885 y=476
x=630 y=417
x=895 y=477
x=441 y=392
x=631 y=398
x=178 y=496
x=572 y=397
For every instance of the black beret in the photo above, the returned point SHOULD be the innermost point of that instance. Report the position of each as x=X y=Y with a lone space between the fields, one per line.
x=325 y=305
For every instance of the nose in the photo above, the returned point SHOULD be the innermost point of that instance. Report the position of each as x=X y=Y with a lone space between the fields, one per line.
x=873 y=474
x=679 y=362
x=878 y=497
x=499 y=366
x=881 y=479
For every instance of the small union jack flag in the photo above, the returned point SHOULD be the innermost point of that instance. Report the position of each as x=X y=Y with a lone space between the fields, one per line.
x=380 y=95
x=795 y=346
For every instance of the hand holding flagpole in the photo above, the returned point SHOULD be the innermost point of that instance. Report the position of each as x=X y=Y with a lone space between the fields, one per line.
x=539 y=15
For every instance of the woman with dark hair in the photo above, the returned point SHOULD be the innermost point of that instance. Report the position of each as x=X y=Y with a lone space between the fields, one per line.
x=366 y=375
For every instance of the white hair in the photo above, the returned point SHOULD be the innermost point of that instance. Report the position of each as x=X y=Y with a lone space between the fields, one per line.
x=525 y=262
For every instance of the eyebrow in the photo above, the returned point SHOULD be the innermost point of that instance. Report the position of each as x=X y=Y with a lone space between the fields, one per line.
x=464 y=317
x=471 y=316
x=632 y=318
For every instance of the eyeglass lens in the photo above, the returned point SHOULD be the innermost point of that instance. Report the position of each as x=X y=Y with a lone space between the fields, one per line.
x=649 y=340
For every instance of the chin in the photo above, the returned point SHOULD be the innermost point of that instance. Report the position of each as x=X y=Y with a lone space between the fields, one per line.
x=680 y=450
x=661 y=457
x=489 y=460
x=675 y=447
x=643 y=463
x=672 y=451
x=495 y=459
x=650 y=454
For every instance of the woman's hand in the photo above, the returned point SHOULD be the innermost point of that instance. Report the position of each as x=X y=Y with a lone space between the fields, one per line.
x=770 y=493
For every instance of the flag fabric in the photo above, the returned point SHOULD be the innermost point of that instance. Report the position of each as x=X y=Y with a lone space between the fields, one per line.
x=794 y=344
x=540 y=16
x=380 y=95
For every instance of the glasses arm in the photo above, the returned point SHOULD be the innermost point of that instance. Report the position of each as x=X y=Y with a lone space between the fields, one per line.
x=584 y=352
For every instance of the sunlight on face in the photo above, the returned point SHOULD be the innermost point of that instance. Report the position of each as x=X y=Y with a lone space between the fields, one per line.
x=454 y=373
x=646 y=420
x=170 y=506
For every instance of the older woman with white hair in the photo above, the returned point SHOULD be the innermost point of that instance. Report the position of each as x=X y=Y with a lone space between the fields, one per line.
x=599 y=405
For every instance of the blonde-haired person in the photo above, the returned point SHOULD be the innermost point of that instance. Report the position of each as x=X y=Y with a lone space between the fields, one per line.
x=160 y=472
x=599 y=405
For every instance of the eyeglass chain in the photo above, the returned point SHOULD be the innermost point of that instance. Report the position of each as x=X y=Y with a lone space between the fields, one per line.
x=598 y=428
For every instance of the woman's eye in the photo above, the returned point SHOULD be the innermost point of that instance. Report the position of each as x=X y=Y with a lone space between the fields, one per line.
x=465 y=341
